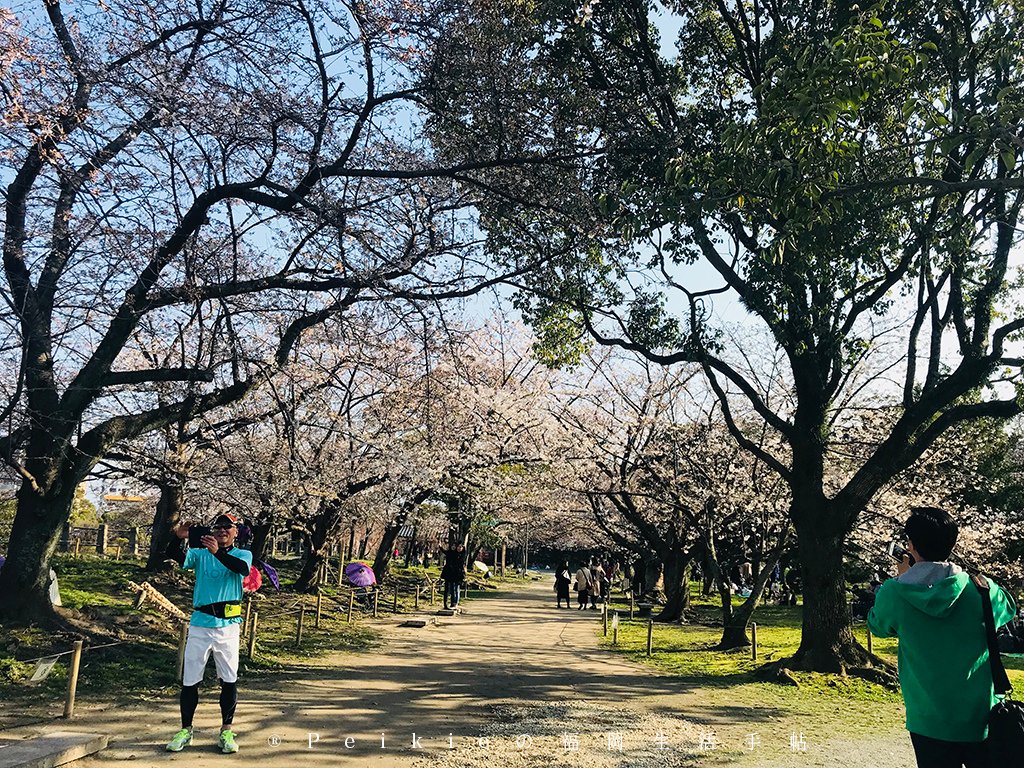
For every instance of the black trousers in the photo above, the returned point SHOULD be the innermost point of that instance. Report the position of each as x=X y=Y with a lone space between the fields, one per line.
x=935 y=753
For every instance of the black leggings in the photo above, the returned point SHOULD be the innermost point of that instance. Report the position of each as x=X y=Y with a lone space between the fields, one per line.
x=190 y=700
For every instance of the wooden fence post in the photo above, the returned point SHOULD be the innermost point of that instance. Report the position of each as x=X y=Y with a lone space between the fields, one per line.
x=248 y=614
x=433 y=587
x=251 y=649
x=376 y=600
x=615 y=628
x=78 y=545
x=650 y=636
x=869 y=642
x=133 y=541
x=341 y=566
x=604 y=618
x=351 y=604
x=753 y=640
x=319 y=608
x=416 y=598
x=298 y=629
x=102 y=534
x=76 y=660
x=631 y=604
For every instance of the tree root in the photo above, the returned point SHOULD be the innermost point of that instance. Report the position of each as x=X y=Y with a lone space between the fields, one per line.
x=777 y=672
x=855 y=662
x=884 y=676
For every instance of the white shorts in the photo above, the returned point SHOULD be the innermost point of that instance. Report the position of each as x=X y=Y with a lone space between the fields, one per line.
x=222 y=642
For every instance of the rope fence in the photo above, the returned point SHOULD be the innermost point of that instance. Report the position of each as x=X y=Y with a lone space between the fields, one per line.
x=340 y=606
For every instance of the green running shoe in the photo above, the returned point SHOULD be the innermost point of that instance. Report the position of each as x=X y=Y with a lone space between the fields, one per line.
x=227 y=742
x=181 y=740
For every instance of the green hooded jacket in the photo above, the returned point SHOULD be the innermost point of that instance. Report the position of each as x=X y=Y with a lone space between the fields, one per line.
x=936 y=612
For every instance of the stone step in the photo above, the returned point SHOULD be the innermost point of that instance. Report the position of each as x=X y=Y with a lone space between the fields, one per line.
x=49 y=749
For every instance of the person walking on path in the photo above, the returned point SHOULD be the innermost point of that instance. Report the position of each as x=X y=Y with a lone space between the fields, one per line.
x=563 y=578
x=935 y=610
x=220 y=569
x=454 y=574
x=584 y=581
x=598 y=587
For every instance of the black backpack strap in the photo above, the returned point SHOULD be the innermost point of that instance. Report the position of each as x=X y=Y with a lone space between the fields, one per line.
x=999 y=678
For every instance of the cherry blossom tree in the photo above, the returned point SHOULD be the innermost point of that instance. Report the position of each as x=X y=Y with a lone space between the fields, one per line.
x=240 y=172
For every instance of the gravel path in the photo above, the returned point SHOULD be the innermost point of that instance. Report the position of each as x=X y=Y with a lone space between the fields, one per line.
x=511 y=683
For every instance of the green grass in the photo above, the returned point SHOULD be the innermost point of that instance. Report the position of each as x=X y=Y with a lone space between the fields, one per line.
x=144 y=661
x=725 y=681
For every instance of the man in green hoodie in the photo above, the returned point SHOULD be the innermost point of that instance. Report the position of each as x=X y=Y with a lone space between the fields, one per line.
x=936 y=612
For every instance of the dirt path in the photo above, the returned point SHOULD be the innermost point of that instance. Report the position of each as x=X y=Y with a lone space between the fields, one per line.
x=512 y=682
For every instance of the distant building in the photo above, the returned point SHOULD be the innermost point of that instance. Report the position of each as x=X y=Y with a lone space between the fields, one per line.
x=126 y=503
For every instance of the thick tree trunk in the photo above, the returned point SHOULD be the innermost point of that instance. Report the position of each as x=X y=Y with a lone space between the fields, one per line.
x=166 y=516
x=319 y=542
x=734 y=630
x=317 y=552
x=364 y=544
x=35 y=534
x=677 y=586
x=386 y=549
x=827 y=643
x=351 y=548
x=258 y=545
x=734 y=625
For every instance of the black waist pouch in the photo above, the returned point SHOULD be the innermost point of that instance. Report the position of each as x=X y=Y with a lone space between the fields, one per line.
x=228 y=609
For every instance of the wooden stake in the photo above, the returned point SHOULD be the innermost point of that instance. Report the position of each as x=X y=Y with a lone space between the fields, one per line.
x=76 y=660
x=182 y=639
x=251 y=650
x=78 y=546
x=753 y=640
x=416 y=598
x=604 y=617
x=351 y=604
x=117 y=552
x=341 y=566
x=319 y=607
x=869 y=642
x=298 y=628
x=376 y=600
x=650 y=636
x=248 y=615
x=615 y=628
x=433 y=587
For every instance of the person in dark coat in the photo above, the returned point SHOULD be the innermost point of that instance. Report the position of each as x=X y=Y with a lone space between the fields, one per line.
x=563 y=578
x=454 y=574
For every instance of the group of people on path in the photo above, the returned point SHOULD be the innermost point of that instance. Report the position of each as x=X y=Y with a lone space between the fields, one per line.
x=591 y=581
x=946 y=621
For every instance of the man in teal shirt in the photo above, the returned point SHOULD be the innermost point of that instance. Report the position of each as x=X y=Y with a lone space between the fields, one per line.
x=936 y=612
x=220 y=569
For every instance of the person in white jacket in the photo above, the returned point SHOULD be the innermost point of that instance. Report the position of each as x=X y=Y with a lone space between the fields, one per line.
x=584 y=582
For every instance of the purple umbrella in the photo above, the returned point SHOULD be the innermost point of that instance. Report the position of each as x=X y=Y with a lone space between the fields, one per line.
x=271 y=574
x=360 y=574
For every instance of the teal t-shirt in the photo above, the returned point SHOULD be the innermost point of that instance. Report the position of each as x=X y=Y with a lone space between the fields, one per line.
x=215 y=583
